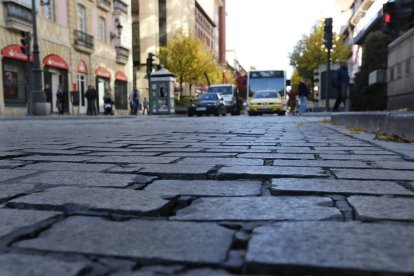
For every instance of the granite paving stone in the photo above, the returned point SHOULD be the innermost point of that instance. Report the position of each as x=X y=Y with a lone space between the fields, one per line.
x=332 y=186
x=12 y=219
x=147 y=240
x=200 y=154
x=259 y=208
x=8 y=191
x=167 y=149
x=321 y=163
x=205 y=188
x=374 y=174
x=267 y=171
x=177 y=170
x=27 y=265
x=7 y=174
x=67 y=166
x=405 y=165
x=53 y=151
x=221 y=161
x=10 y=164
x=383 y=208
x=81 y=179
x=276 y=156
x=93 y=199
x=366 y=157
x=122 y=153
x=57 y=158
x=134 y=159
x=5 y=154
x=342 y=247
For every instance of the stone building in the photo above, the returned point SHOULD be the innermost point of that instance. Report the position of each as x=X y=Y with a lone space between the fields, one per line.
x=82 y=42
x=154 y=22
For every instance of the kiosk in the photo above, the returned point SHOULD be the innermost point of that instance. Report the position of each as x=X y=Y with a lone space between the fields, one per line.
x=161 y=96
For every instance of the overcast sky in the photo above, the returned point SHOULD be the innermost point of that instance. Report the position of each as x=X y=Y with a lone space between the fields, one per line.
x=263 y=32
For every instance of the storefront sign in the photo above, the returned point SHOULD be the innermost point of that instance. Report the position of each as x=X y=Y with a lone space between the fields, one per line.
x=103 y=72
x=82 y=68
x=14 y=52
x=121 y=76
x=55 y=61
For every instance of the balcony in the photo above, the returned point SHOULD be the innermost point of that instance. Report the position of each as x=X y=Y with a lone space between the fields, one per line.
x=104 y=4
x=84 y=42
x=122 y=54
x=17 y=17
x=120 y=7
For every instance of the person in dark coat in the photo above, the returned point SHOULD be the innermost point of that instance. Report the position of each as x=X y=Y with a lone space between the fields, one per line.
x=48 y=94
x=60 y=98
x=303 y=93
x=91 y=96
x=341 y=82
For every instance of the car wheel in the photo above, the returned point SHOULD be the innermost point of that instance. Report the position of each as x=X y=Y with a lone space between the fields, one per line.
x=190 y=114
x=281 y=113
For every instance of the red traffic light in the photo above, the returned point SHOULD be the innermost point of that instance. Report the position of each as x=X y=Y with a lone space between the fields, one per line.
x=387 y=18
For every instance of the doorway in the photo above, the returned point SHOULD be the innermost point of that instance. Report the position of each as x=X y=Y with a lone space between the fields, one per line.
x=102 y=85
x=81 y=82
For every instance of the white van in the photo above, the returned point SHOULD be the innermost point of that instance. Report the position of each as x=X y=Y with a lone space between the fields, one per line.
x=229 y=93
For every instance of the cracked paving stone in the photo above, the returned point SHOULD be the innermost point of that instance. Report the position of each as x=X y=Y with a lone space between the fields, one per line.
x=67 y=166
x=177 y=170
x=267 y=171
x=93 y=199
x=55 y=158
x=205 y=188
x=12 y=219
x=134 y=159
x=147 y=240
x=383 y=208
x=321 y=163
x=374 y=174
x=221 y=161
x=300 y=247
x=11 y=190
x=26 y=265
x=8 y=174
x=259 y=208
x=81 y=179
x=306 y=186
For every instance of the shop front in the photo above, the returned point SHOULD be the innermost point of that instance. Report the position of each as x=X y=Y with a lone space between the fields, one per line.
x=103 y=84
x=55 y=75
x=121 y=91
x=15 y=93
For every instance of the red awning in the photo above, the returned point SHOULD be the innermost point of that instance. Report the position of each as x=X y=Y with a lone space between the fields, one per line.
x=102 y=72
x=82 y=68
x=121 y=76
x=55 y=61
x=15 y=52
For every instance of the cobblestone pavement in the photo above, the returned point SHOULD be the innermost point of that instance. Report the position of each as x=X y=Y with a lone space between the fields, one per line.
x=202 y=196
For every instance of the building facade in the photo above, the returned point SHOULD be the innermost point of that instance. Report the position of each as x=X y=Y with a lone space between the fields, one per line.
x=154 y=22
x=82 y=43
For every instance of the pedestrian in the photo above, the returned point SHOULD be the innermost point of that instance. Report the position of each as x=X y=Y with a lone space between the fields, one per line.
x=91 y=96
x=108 y=103
x=135 y=101
x=145 y=104
x=341 y=83
x=60 y=98
x=48 y=94
x=291 y=103
x=303 y=93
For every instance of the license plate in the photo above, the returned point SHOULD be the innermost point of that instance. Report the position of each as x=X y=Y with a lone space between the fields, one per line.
x=264 y=107
x=201 y=109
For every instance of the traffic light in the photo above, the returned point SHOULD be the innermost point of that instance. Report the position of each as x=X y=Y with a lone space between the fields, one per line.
x=389 y=17
x=328 y=33
x=150 y=63
x=25 y=42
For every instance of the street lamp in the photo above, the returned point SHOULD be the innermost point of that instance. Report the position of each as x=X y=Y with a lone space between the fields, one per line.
x=37 y=96
x=119 y=28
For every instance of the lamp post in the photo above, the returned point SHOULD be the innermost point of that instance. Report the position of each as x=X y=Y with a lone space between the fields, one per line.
x=37 y=96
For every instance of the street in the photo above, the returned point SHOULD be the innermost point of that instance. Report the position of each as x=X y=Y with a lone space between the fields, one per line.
x=148 y=195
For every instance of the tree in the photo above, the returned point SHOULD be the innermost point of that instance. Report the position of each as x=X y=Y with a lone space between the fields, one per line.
x=310 y=52
x=188 y=58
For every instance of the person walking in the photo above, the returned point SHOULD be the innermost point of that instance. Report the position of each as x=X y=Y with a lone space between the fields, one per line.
x=90 y=96
x=341 y=83
x=108 y=104
x=48 y=94
x=135 y=101
x=60 y=98
x=145 y=108
x=303 y=93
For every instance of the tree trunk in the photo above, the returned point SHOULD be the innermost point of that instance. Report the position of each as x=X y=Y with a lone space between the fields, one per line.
x=181 y=87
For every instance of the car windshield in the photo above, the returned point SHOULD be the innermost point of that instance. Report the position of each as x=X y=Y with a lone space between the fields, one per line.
x=208 y=97
x=269 y=94
x=224 y=90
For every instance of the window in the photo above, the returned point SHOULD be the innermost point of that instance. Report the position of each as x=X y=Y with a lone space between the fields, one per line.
x=101 y=29
x=14 y=82
x=81 y=18
x=49 y=10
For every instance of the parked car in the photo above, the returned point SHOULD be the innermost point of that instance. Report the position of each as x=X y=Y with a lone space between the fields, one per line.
x=266 y=102
x=230 y=95
x=207 y=103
